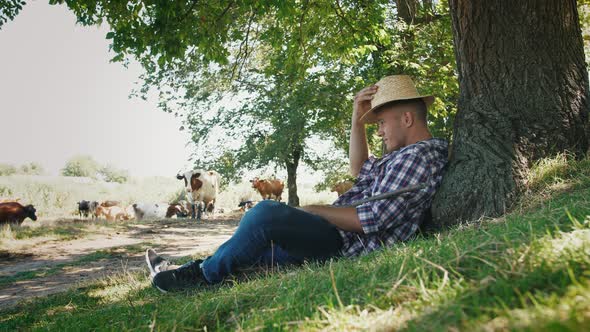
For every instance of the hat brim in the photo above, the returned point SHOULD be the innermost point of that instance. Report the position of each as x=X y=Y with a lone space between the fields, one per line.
x=371 y=117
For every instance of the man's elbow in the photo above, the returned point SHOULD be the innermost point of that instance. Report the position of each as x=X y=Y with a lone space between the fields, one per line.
x=356 y=226
x=354 y=171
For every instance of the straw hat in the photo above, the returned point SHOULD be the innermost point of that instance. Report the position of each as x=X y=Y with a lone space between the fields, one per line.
x=393 y=88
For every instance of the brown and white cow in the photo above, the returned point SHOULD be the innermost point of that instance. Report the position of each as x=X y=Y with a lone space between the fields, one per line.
x=342 y=187
x=12 y=212
x=202 y=188
x=111 y=213
x=179 y=210
x=269 y=188
x=129 y=213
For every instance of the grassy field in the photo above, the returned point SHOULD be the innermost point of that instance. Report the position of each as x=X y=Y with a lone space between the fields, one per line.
x=56 y=196
x=528 y=270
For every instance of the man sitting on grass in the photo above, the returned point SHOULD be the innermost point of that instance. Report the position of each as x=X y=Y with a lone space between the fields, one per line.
x=273 y=233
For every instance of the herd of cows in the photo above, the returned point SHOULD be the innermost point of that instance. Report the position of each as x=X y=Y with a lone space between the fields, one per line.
x=201 y=190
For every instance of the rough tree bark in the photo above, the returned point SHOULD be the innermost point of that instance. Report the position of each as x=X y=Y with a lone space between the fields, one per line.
x=291 y=164
x=523 y=96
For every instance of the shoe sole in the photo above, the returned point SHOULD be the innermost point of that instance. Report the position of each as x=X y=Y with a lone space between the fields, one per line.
x=152 y=269
x=149 y=263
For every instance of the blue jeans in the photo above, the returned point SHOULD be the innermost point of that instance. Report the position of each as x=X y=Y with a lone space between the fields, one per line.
x=273 y=233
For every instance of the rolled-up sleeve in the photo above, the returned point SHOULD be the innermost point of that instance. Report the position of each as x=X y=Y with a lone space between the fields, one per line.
x=376 y=216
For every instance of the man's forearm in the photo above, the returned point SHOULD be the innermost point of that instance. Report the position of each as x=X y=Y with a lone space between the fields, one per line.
x=358 y=149
x=344 y=218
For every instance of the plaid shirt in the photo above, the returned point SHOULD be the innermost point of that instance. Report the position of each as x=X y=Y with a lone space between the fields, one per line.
x=388 y=221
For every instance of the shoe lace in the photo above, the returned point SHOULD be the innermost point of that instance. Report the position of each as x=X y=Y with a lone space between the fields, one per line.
x=188 y=272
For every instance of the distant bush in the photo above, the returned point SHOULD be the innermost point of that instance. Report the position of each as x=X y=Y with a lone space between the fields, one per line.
x=5 y=191
x=111 y=174
x=32 y=168
x=6 y=169
x=81 y=166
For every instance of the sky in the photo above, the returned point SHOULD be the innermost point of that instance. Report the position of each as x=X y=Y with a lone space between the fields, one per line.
x=60 y=97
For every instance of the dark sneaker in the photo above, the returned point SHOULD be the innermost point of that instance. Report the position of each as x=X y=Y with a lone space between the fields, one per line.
x=187 y=276
x=155 y=262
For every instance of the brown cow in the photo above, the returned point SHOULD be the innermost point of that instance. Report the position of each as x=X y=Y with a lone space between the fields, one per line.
x=268 y=188
x=342 y=187
x=9 y=200
x=15 y=212
x=110 y=203
x=111 y=213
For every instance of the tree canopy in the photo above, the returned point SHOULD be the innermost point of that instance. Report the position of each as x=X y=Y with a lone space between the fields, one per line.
x=290 y=69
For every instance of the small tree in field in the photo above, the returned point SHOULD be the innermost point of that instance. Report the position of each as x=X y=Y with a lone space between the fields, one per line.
x=31 y=169
x=81 y=166
x=110 y=173
x=7 y=169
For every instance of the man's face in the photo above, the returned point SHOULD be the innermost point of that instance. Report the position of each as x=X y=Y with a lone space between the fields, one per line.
x=393 y=126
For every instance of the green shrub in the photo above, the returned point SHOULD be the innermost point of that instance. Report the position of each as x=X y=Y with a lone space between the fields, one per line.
x=81 y=166
x=6 y=169
x=111 y=174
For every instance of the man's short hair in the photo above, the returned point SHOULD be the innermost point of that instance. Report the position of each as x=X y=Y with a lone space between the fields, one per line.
x=418 y=103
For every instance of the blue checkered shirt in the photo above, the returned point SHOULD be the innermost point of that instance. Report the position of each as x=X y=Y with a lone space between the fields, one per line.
x=387 y=221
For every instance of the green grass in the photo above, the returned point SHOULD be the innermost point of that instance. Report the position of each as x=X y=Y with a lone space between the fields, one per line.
x=529 y=270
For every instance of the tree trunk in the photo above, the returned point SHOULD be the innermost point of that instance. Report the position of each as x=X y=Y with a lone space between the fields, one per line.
x=292 y=162
x=406 y=10
x=523 y=96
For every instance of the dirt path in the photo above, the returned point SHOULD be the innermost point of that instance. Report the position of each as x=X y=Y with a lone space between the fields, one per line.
x=69 y=263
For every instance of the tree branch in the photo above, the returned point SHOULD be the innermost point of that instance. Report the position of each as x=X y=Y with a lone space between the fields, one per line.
x=301 y=43
x=340 y=13
x=239 y=64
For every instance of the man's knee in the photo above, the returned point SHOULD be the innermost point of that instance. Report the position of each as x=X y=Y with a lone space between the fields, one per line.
x=265 y=207
x=265 y=212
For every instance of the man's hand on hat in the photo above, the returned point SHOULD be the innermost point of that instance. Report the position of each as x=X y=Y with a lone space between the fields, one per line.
x=362 y=102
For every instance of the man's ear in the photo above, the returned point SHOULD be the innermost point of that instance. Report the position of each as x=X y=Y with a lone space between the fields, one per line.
x=408 y=119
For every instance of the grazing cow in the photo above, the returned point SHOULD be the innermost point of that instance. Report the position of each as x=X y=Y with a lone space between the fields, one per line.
x=129 y=213
x=86 y=207
x=92 y=206
x=269 y=188
x=342 y=187
x=246 y=205
x=179 y=210
x=203 y=187
x=150 y=210
x=14 y=212
x=111 y=213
